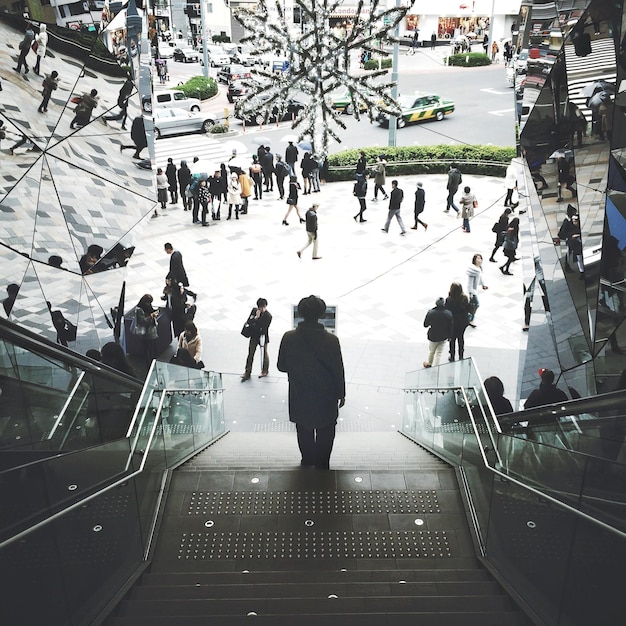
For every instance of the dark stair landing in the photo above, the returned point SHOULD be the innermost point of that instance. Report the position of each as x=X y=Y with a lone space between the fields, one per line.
x=381 y=539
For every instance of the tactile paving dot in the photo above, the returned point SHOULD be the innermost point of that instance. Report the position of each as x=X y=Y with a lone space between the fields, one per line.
x=309 y=544
x=410 y=501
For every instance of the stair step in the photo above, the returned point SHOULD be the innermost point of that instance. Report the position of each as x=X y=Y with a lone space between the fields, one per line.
x=295 y=576
x=478 y=618
x=274 y=450
x=321 y=605
x=345 y=589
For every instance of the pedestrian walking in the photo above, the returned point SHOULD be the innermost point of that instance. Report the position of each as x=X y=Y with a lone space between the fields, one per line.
x=311 y=231
x=474 y=283
x=292 y=200
x=468 y=204
x=311 y=357
x=379 y=177
x=234 y=196
x=360 y=191
x=259 y=322
x=49 y=84
x=486 y=43
x=39 y=46
x=499 y=228
x=24 y=47
x=455 y=178
x=138 y=135
x=510 y=182
x=458 y=304
x=291 y=157
x=122 y=102
x=315 y=174
x=439 y=322
x=172 y=183
x=415 y=41
x=86 y=104
x=566 y=179
x=395 y=202
x=509 y=247
x=281 y=171
x=162 y=185
x=418 y=208
x=184 y=178
x=433 y=40
x=570 y=232
x=177 y=271
x=494 y=51
x=361 y=164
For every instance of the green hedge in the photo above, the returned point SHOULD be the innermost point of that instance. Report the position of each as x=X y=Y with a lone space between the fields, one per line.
x=469 y=59
x=372 y=64
x=402 y=161
x=218 y=129
x=199 y=87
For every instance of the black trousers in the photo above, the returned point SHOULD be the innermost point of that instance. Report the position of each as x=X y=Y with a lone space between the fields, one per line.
x=316 y=444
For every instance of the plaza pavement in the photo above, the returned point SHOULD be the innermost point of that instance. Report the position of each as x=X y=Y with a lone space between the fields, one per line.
x=382 y=285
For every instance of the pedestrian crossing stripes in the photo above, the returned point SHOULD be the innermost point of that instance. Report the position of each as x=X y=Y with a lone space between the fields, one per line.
x=187 y=147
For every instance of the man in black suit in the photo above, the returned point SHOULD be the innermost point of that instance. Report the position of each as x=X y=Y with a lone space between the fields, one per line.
x=177 y=270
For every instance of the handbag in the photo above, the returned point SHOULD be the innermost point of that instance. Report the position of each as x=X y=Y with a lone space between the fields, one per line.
x=496 y=227
x=475 y=204
x=472 y=307
x=250 y=326
x=35 y=46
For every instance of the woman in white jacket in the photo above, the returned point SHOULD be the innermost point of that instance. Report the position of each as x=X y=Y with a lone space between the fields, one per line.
x=42 y=43
x=474 y=283
x=233 y=195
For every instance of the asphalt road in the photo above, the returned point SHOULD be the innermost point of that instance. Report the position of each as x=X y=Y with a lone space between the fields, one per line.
x=484 y=112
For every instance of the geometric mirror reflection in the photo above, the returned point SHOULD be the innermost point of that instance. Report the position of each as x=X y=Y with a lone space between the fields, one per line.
x=71 y=202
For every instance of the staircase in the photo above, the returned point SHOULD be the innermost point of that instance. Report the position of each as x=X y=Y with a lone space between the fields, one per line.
x=250 y=537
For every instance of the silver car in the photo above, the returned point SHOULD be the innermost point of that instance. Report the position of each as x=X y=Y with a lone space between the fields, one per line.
x=179 y=122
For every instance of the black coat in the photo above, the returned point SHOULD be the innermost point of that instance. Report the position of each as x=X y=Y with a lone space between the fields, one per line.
x=440 y=321
x=177 y=270
x=420 y=200
x=311 y=356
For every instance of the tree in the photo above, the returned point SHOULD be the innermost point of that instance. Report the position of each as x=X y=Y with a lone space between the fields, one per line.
x=319 y=63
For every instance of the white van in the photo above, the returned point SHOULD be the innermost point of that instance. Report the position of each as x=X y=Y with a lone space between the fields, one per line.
x=176 y=100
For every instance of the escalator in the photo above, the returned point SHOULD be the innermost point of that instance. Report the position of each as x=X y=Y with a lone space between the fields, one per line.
x=544 y=488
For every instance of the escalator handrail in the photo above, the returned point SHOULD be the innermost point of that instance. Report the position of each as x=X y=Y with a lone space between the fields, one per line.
x=515 y=481
x=28 y=340
x=125 y=478
x=550 y=412
x=69 y=398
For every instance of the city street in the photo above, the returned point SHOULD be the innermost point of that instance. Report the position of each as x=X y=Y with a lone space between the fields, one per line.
x=484 y=108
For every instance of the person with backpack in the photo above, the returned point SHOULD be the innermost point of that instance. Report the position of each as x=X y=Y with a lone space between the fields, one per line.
x=360 y=191
x=49 y=84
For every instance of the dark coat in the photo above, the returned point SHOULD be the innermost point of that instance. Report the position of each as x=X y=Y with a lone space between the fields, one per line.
x=138 y=133
x=440 y=321
x=311 y=356
x=184 y=177
x=170 y=172
x=177 y=270
x=459 y=310
x=395 y=199
x=261 y=325
x=420 y=200
x=545 y=394
x=291 y=154
x=454 y=179
x=267 y=163
x=311 y=221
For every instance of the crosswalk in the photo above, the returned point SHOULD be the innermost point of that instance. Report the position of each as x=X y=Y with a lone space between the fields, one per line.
x=186 y=147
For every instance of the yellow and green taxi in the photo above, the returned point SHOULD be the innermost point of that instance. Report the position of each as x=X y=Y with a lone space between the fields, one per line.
x=342 y=102
x=418 y=107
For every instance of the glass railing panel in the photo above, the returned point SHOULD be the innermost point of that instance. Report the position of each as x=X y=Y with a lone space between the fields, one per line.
x=218 y=423
x=33 y=587
x=528 y=542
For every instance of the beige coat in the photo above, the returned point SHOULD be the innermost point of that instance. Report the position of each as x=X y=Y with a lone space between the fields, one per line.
x=194 y=346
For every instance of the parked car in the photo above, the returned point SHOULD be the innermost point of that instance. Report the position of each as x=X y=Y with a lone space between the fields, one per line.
x=232 y=72
x=176 y=100
x=165 y=52
x=216 y=56
x=177 y=122
x=280 y=112
x=521 y=61
x=186 y=55
x=418 y=107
